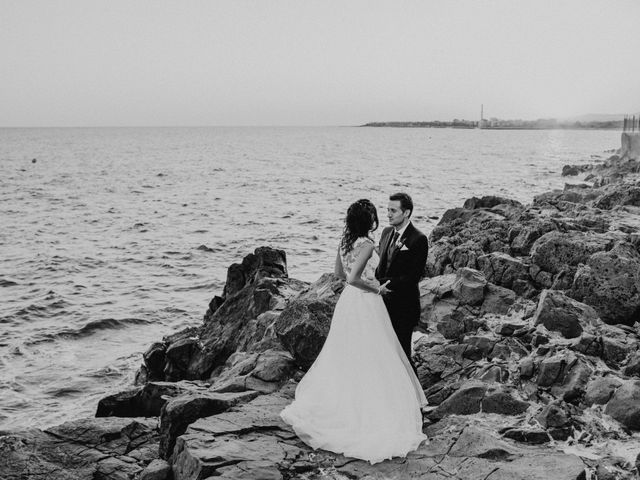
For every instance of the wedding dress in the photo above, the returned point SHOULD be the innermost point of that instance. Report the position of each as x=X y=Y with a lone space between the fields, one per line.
x=360 y=397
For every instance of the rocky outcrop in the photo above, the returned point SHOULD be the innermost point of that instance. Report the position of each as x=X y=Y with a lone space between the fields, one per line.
x=256 y=292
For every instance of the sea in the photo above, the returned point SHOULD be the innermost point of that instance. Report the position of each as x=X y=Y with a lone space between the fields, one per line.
x=111 y=238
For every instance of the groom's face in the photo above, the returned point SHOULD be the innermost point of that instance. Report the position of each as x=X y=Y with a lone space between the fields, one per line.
x=395 y=213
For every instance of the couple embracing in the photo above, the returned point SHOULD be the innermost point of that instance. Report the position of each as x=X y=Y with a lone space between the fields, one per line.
x=361 y=397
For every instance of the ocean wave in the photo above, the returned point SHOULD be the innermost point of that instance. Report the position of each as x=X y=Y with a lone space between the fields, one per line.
x=5 y=282
x=90 y=329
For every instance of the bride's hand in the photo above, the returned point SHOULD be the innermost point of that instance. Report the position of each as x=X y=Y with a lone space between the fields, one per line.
x=383 y=290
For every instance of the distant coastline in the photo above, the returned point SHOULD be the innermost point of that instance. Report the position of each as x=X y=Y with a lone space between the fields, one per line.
x=497 y=124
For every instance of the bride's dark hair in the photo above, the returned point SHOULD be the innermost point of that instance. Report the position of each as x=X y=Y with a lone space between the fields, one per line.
x=362 y=218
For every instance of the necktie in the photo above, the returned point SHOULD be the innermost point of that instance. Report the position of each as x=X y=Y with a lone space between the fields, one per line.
x=394 y=239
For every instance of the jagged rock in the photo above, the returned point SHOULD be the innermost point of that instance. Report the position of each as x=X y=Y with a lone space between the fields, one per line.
x=552 y=369
x=526 y=367
x=264 y=262
x=559 y=313
x=622 y=195
x=555 y=251
x=574 y=384
x=500 y=399
x=479 y=346
x=493 y=374
x=553 y=415
x=438 y=260
x=146 y=401
x=528 y=228
x=120 y=404
x=633 y=367
x=473 y=397
x=527 y=435
x=566 y=374
x=556 y=420
x=502 y=269
x=464 y=401
x=600 y=389
x=435 y=288
x=588 y=344
x=303 y=325
x=465 y=255
x=263 y=372
x=450 y=318
x=437 y=362
x=469 y=286
x=154 y=359
x=489 y=201
x=497 y=300
x=508 y=328
x=181 y=411
x=157 y=470
x=101 y=448
x=465 y=215
x=573 y=170
x=610 y=283
x=624 y=405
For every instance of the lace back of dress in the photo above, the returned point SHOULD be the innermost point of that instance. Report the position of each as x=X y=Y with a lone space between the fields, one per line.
x=349 y=259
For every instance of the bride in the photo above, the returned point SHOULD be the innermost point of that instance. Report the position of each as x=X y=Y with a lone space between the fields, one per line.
x=360 y=397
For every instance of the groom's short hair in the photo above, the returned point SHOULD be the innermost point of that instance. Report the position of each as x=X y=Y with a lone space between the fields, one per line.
x=405 y=201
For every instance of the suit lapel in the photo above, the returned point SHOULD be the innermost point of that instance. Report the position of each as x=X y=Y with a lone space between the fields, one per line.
x=384 y=257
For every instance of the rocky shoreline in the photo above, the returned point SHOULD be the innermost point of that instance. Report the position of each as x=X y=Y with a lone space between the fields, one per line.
x=530 y=361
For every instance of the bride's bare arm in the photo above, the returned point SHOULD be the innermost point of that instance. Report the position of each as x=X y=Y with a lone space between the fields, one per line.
x=354 y=277
x=337 y=269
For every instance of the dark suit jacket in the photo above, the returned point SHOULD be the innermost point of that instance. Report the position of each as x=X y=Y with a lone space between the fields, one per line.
x=404 y=268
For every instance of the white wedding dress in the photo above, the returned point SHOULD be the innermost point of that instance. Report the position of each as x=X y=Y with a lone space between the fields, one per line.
x=360 y=397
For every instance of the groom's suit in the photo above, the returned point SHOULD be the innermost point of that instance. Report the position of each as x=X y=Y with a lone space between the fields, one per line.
x=402 y=262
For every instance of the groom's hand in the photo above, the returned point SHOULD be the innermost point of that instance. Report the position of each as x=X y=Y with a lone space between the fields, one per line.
x=383 y=288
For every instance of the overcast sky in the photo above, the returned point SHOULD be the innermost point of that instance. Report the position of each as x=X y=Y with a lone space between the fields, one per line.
x=307 y=62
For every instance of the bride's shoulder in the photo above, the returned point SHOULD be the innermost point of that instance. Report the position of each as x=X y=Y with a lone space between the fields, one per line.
x=364 y=240
x=364 y=243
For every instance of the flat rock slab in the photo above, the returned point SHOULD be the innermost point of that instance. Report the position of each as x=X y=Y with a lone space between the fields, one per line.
x=251 y=441
x=94 y=448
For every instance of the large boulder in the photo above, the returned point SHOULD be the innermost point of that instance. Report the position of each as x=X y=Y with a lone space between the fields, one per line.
x=556 y=251
x=469 y=286
x=304 y=324
x=624 y=405
x=600 y=389
x=502 y=269
x=560 y=313
x=610 y=283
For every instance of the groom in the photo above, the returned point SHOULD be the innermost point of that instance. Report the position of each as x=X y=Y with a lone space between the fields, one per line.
x=403 y=255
